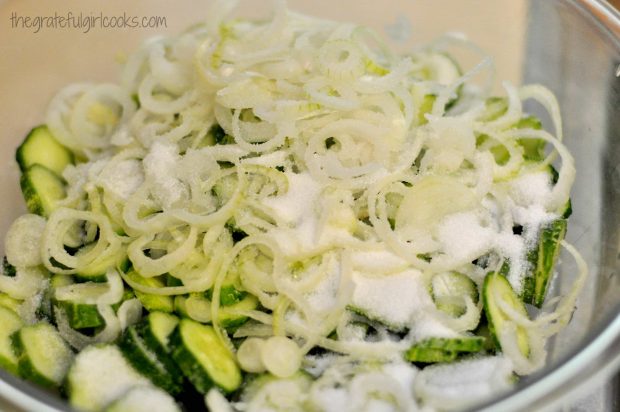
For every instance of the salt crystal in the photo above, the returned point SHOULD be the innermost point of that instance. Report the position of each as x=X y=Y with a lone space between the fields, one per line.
x=324 y=296
x=377 y=261
x=463 y=236
x=391 y=298
x=425 y=326
x=531 y=188
x=160 y=168
x=123 y=179
x=456 y=385
x=299 y=199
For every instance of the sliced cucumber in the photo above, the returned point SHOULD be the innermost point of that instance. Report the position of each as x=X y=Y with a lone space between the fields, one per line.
x=42 y=189
x=159 y=369
x=96 y=271
x=40 y=147
x=219 y=136
x=229 y=295
x=203 y=358
x=43 y=356
x=99 y=376
x=494 y=108
x=80 y=315
x=45 y=309
x=229 y=319
x=533 y=149
x=376 y=320
x=496 y=285
x=156 y=330
x=144 y=399
x=434 y=350
x=543 y=259
x=149 y=301
x=9 y=303
x=11 y=323
x=197 y=307
x=449 y=290
x=128 y=294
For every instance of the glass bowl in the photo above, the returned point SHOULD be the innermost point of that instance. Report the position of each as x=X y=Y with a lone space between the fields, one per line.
x=571 y=46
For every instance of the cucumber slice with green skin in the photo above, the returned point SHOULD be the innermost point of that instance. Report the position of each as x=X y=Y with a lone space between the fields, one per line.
x=40 y=147
x=434 y=350
x=533 y=149
x=497 y=286
x=149 y=301
x=219 y=136
x=374 y=320
x=494 y=108
x=100 y=375
x=42 y=189
x=203 y=358
x=43 y=355
x=172 y=281
x=128 y=294
x=9 y=303
x=227 y=317
x=231 y=321
x=156 y=330
x=230 y=291
x=543 y=259
x=45 y=309
x=144 y=399
x=161 y=371
x=11 y=323
x=449 y=290
x=229 y=295
x=81 y=316
x=567 y=210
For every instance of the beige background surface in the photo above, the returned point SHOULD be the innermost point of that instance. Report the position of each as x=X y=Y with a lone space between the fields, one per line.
x=34 y=66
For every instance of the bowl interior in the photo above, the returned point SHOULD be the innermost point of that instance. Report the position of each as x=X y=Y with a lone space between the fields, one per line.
x=561 y=44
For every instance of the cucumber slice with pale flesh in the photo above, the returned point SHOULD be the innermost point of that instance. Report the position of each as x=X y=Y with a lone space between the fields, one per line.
x=40 y=147
x=203 y=358
x=42 y=189
x=543 y=259
x=9 y=303
x=151 y=302
x=495 y=287
x=43 y=356
x=99 y=376
x=434 y=350
x=144 y=399
x=157 y=329
x=80 y=315
x=449 y=290
x=11 y=323
x=158 y=368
